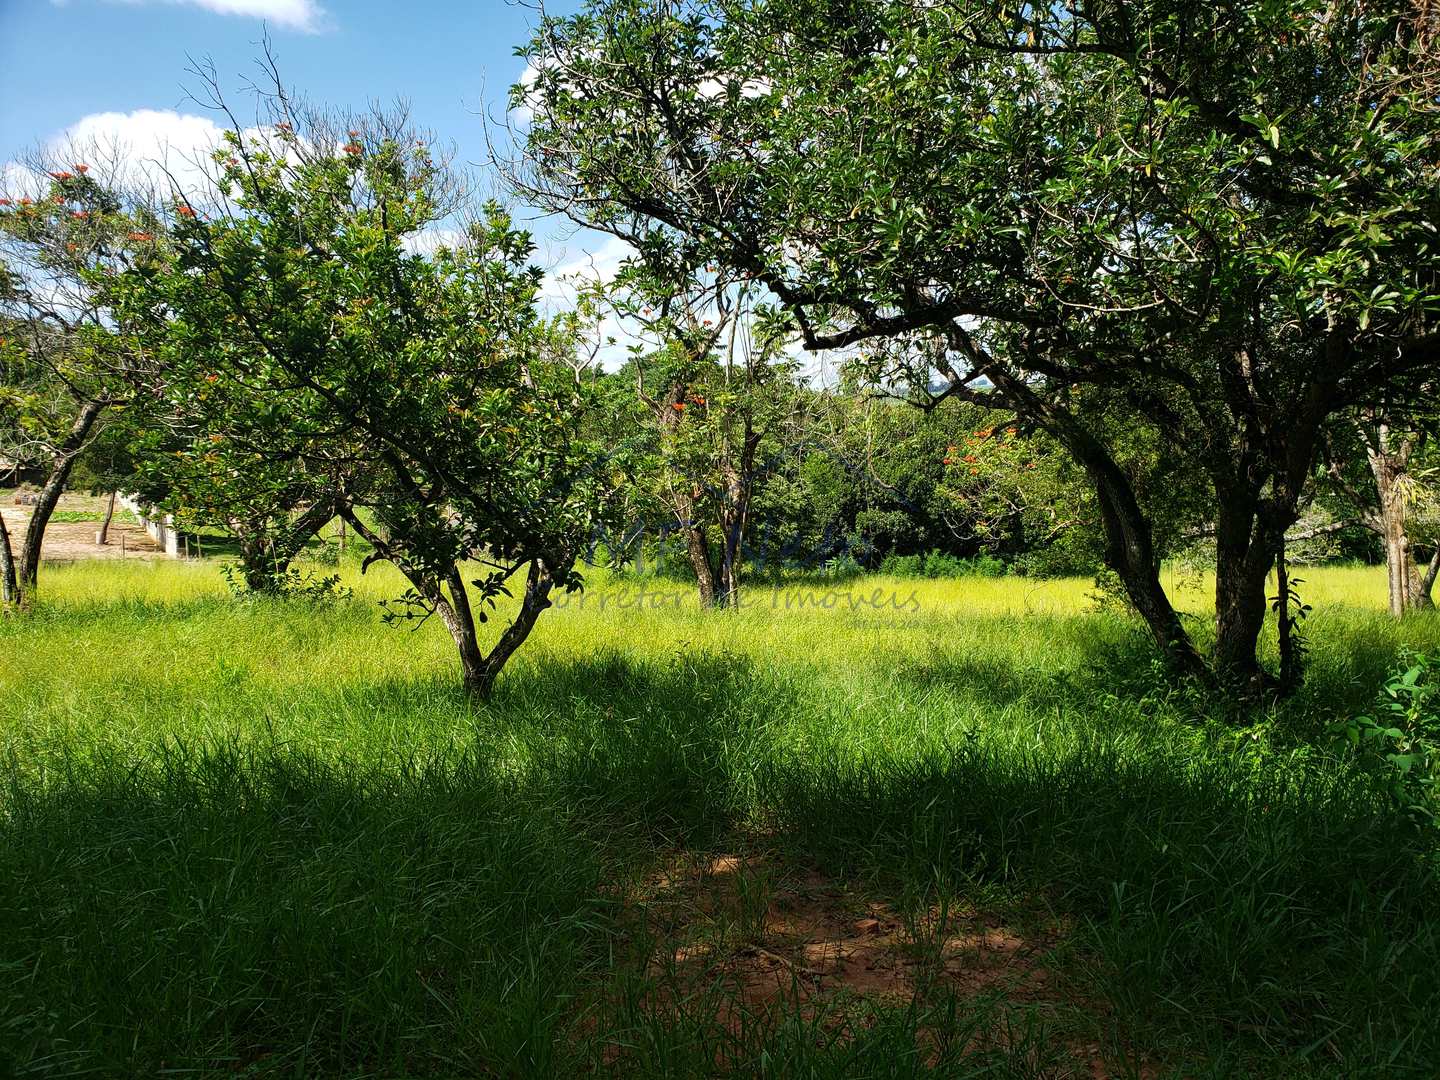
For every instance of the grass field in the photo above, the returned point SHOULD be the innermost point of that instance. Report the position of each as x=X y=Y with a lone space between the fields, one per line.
x=901 y=828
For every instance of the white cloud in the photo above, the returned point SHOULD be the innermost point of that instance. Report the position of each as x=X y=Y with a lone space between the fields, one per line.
x=147 y=148
x=303 y=15
x=749 y=88
x=601 y=264
x=523 y=113
x=428 y=241
x=156 y=149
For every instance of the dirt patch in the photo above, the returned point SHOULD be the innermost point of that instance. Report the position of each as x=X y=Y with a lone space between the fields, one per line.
x=67 y=541
x=785 y=940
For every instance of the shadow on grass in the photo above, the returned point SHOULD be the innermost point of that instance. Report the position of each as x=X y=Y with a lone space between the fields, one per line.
x=242 y=906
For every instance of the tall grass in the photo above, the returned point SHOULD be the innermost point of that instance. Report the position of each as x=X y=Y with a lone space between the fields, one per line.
x=267 y=838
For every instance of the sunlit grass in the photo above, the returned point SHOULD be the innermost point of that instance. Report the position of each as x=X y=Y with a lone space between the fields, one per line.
x=275 y=837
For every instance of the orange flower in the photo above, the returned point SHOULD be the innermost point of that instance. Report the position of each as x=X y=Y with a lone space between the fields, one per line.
x=678 y=406
x=974 y=472
x=63 y=175
x=947 y=461
x=185 y=211
x=71 y=248
x=80 y=215
x=353 y=148
x=970 y=458
x=26 y=202
x=698 y=400
x=141 y=236
x=354 y=134
x=82 y=169
x=1030 y=465
x=1010 y=431
x=4 y=202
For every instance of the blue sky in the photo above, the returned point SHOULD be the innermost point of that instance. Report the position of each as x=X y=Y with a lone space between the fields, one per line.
x=120 y=64
x=114 y=71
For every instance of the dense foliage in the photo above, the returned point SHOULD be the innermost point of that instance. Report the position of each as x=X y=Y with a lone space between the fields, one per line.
x=1216 y=219
x=301 y=347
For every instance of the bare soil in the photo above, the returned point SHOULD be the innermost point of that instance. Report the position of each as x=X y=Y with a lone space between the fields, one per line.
x=67 y=541
x=782 y=939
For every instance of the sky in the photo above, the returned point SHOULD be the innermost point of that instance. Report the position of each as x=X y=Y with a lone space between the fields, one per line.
x=115 y=72
x=118 y=67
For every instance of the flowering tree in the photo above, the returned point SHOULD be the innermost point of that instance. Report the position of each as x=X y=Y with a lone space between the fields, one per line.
x=424 y=391
x=65 y=361
x=711 y=384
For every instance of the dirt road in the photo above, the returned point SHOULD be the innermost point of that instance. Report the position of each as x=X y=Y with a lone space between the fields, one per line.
x=66 y=541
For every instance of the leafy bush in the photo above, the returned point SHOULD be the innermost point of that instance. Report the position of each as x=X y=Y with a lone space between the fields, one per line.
x=1400 y=743
x=288 y=584
x=903 y=565
x=940 y=564
x=842 y=567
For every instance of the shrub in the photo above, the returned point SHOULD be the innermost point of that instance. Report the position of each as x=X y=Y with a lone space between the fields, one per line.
x=1400 y=742
x=902 y=565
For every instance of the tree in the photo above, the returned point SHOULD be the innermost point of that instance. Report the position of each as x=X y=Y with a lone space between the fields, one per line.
x=65 y=361
x=205 y=463
x=1222 y=215
x=1391 y=450
x=425 y=389
x=712 y=384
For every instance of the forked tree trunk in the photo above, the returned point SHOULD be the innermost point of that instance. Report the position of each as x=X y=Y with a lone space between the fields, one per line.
x=448 y=598
x=479 y=670
x=265 y=556
x=735 y=519
x=49 y=497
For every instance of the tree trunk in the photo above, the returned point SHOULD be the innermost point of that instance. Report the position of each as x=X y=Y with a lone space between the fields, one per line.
x=1129 y=542
x=1422 y=595
x=455 y=613
x=1388 y=469
x=734 y=519
x=1244 y=553
x=49 y=496
x=731 y=528
x=9 y=585
x=298 y=533
x=539 y=580
x=103 y=537
x=480 y=670
x=697 y=546
x=266 y=554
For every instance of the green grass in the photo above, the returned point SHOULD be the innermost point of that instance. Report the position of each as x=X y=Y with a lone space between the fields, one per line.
x=268 y=839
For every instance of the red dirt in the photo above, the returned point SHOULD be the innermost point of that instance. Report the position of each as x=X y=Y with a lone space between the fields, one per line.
x=782 y=941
